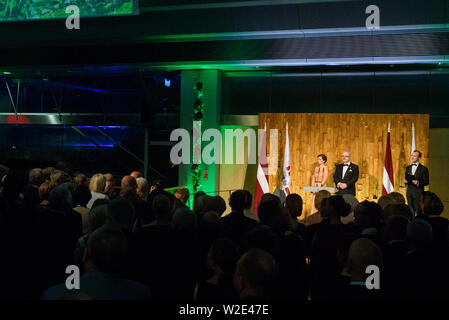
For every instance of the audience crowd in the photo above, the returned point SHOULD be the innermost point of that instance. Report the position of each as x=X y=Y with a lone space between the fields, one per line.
x=136 y=241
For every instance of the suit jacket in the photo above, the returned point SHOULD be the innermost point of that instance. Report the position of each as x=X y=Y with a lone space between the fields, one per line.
x=350 y=178
x=422 y=175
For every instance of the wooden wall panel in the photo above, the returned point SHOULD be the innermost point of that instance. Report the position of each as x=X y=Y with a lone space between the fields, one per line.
x=363 y=134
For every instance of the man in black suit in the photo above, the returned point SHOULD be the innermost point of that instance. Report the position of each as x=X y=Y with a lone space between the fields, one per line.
x=416 y=178
x=346 y=175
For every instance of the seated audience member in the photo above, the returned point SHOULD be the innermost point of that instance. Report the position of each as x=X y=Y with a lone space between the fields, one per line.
x=81 y=181
x=104 y=257
x=367 y=220
x=128 y=191
x=59 y=228
x=362 y=253
x=109 y=188
x=432 y=208
x=81 y=196
x=155 y=256
x=46 y=173
x=423 y=277
x=235 y=225
x=385 y=200
x=121 y=212
x=353 y=202
x=96 y=186
x=97 y=217
x=255 y=275
x=44 y=193
x=397 y=197
x=31 y=193
x=142 y=188
x=58 y=177
x=221 y=261
x=316 y=217
x=293 y=204
x=329 y=247
x=394 y=249
x=397 y=209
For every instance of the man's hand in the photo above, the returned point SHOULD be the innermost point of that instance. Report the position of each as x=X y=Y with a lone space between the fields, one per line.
x=415 y=182
x=405 y=181
x=343 y=186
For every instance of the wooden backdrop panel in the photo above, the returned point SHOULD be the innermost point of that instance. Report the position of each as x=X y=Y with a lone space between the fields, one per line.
x=365 y=135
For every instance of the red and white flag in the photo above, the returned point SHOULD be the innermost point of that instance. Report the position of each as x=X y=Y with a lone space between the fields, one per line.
x=388 y=178
x=262 y=169
x=286 y=184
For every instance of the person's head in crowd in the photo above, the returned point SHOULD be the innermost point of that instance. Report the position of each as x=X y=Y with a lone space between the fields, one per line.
x=97 y=183
x=162 y=209
x=128 y=186
x=135 y=174
x=334 y=208
x=81 y=181
x=384 y=201
x=238 y=201
x=431 y=204
x=263 y=237
x=367 y=214
x=97 y=217
x=46 y=173
x=81 y=196
x=216 y=204
x=270 y=196
x=395 y=229
x=397 y=209
x=223 y=256
x=199 y=201
x=182 y=194
x=61 y=165
x=397 y=197
x=270 y=214
x=121 y=212
x=100 y=202
x=142 y=188
x=363 y=252
x=58 y=177
x=248 y=200
x=60 y=200
x=35 y=177
x=319 y=197
x=255 y=275
x=184 y=220
x=110 y=184
x=44 y=191
x=294 y=204
x=210 y=219
x=419 y=235
x=353 y=202
x=106 y=250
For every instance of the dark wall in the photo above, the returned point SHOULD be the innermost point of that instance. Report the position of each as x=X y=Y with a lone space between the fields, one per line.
x=347 y=93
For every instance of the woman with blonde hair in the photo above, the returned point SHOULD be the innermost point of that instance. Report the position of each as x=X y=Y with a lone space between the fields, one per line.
x=97 y=185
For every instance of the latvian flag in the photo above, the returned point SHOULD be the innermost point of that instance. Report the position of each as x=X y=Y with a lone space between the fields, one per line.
x=286 y=185
x=388 y=178
x=262 y=169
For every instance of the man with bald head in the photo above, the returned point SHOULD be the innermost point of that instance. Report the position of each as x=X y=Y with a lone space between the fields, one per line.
x=129 y=191
x=346 y=175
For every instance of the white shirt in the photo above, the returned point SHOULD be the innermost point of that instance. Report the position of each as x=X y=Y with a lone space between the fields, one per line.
x=345 y=168
x=414 y=168
x=95 y=196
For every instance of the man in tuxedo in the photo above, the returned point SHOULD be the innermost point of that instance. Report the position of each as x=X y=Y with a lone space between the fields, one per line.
x=346 y=175
x=416 y=178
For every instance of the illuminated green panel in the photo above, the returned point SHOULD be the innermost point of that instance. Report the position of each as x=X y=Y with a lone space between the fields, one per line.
x=16 y=10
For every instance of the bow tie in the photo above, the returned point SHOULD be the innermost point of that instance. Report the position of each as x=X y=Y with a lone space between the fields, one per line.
x=345 y=165
x=414 y=164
